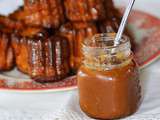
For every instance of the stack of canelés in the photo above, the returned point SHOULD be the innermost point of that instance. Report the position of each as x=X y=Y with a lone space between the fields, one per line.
x=43 y=38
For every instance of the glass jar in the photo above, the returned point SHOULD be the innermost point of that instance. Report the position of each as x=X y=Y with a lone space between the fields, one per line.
x=108 y=80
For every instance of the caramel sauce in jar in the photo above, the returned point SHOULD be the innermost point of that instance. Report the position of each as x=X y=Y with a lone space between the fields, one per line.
x=108 y=80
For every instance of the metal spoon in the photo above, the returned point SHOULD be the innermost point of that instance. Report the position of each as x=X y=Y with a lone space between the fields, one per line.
x=123 y=23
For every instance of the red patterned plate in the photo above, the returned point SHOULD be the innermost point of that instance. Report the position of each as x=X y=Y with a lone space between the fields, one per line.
x=146 y=30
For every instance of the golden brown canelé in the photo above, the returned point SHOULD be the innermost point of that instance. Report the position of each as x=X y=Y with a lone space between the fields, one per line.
x=113 y=18
x=44 y=58
x=84 y=10
x=44 y=13
x=77 y=32
x=49 y=59
x=18 y=16
x=108 y=79
x=20 y=41
x=10 y=25
x=21 y=53
x=6 y=52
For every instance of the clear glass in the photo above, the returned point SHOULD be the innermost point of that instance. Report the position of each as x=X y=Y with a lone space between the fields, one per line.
x=108 y=79
x=101 y=54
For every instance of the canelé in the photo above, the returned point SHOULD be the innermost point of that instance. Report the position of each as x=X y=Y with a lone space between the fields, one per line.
x=44 y=13
x=49 y=59
x=6 y=51
x=77 y=32
x=84 y=10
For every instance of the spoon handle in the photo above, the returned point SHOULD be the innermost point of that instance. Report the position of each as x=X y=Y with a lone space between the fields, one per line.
x=123 y=22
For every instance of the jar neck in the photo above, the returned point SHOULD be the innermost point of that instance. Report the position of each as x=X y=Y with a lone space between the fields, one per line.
x=101 y=54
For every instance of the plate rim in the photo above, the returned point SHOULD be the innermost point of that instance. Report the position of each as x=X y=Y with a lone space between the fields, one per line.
x=39 y=90
x=150 y=60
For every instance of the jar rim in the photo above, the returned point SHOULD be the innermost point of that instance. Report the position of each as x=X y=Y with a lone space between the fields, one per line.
x=105 y=37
